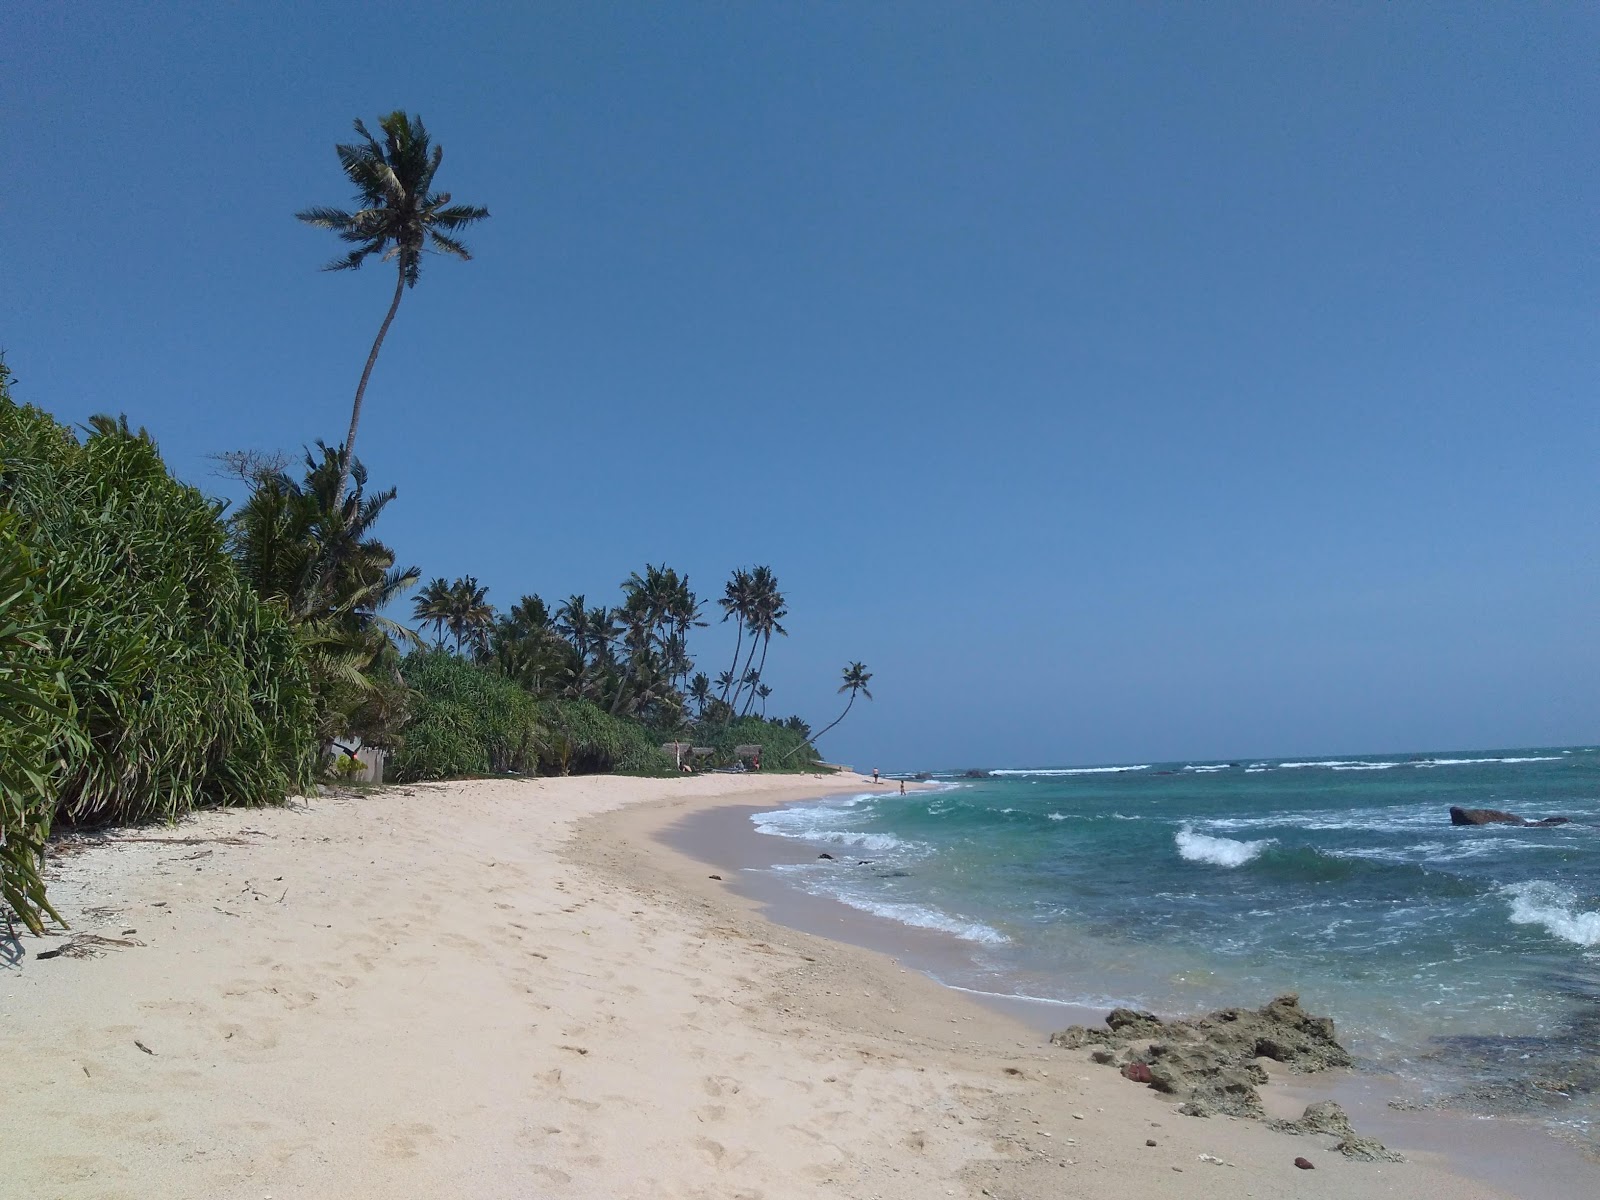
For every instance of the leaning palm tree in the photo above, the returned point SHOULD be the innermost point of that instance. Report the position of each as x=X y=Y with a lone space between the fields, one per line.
x=855 y=680
x=400 y=216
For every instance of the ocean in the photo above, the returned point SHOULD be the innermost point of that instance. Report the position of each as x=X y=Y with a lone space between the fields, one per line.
x=1464 y=962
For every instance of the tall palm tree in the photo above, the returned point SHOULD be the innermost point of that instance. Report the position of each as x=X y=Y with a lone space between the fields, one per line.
x=769 y=609
x=735 y=603
x=855 y=680
x=399 y=218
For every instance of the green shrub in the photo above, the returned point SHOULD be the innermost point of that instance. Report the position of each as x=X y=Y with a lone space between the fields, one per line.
x=184 y=687
x=582 y=739
x=37 y=725
x=465 y=720
x=469 y=719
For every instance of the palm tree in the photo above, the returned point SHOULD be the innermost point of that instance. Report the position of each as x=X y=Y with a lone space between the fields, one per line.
x=432 y=607
x=763 y=691
x=471 y=615
x=735 y=602
x=400 y=217
x=313 y=556
x=769 y=608
x=855 y=680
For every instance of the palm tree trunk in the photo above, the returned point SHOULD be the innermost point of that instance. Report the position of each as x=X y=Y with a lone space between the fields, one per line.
x=738 y=686
x=361 y=388
x=733 y=670
x=813 y=738
x=766 y=640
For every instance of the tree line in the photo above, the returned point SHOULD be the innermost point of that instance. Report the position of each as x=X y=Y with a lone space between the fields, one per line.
x=159 y=650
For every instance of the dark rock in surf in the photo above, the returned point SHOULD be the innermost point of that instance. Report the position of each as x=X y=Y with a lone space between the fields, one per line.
x=826 y=855
x=1493 y=816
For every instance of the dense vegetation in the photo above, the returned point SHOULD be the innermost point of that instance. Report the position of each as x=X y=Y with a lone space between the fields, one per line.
x=158 y=652
x=182 y=687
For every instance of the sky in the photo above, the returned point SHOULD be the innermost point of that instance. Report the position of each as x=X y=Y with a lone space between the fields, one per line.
x=1118 y=382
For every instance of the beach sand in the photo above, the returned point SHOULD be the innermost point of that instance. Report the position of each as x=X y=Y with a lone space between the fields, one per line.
x=516 y=989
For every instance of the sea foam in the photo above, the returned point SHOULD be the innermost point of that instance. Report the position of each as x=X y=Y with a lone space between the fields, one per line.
x=1222 y=852
x=1554 y=907
x=822 y=823
x=1068 y=770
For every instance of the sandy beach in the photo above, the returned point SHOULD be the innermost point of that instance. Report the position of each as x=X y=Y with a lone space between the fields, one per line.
x=513 y=989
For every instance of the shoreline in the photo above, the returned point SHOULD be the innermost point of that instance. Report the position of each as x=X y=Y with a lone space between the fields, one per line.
x=500 y=988
x=1490 y=1150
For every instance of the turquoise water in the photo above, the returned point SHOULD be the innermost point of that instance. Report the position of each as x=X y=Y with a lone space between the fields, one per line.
x=1466 y=960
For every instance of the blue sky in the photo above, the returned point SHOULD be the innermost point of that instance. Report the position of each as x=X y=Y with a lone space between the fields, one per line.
x=1118 y=382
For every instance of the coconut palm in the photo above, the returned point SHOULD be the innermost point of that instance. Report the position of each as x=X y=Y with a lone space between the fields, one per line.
x=432 y=607
x=768 y=609
x=856 y=677
x=700 y=691
x=400 y=217
x=735 y=603
x=471 y=615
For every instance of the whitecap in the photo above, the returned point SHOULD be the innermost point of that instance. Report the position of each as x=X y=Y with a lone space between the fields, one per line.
x=1222 y=852
x=1068 y=770
x=1461 y=762
x=1343 y=764
x=1556 y=909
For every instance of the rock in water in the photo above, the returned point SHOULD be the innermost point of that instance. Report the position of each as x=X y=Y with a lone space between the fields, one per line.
x=1493 y=816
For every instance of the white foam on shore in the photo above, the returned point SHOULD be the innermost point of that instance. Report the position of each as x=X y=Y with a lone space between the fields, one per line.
x=822 y=823
x=1068 y=770
x=1098 y=1003
x=1222 y=852
x=1556 y=909
x=922 y=917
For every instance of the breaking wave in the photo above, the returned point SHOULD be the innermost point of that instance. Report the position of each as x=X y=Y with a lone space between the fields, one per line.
x=1537 y=902
x=1222 y=852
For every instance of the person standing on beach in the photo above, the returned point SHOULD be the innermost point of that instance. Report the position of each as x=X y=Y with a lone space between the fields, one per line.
x=902 y=787
x=874 y=774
